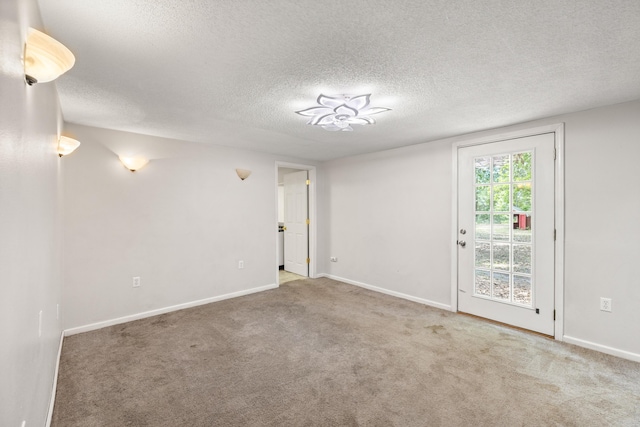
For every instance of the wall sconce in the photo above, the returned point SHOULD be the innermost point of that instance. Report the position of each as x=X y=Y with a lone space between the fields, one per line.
x=45 y=58
x=67 y=145
x=243 y=173
x=133 y=163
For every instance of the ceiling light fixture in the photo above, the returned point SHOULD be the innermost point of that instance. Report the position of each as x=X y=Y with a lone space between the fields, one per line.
x=133 y=163
x=45 y=58
x=339 y=112
x=67 y=145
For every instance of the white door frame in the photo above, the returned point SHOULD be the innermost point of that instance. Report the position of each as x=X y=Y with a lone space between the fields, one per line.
x=313 y=226
x=558 y=130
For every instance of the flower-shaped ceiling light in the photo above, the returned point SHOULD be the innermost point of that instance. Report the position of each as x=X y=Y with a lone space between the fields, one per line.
x=341 y=111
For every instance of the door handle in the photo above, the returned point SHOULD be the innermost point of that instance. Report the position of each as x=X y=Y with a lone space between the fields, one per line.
x=462 y=243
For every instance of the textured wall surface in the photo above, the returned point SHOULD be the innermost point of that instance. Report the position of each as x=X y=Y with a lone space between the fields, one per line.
x=29 y=227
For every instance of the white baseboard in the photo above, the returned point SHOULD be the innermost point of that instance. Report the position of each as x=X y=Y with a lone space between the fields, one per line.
x=388 y=292
x=602 y=348
x=54 y=388
x=125 y=319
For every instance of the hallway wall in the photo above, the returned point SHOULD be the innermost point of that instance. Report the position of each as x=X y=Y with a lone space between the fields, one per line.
x=30 y=231
x=181 y=224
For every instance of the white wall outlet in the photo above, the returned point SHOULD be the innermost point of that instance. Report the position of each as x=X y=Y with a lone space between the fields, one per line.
x=136 y=282
x=240 y=264
x=333 y=259
x=605 y=304
x=24 y=423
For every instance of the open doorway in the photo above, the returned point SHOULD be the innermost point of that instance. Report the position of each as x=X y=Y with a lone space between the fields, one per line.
x=295 y=217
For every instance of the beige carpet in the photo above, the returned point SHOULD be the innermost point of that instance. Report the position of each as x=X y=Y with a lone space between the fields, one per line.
x=323 y=353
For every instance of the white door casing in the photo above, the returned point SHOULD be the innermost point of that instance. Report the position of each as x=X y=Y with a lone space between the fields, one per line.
x=296 y=233
x=505 y=270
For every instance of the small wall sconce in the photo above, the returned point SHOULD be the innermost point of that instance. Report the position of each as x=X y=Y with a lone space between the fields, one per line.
x=45 y=58
x=133 y=163
x=67 y=145
x=243 y=173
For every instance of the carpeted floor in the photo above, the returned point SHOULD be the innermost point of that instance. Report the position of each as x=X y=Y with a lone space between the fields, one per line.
x=317 y=352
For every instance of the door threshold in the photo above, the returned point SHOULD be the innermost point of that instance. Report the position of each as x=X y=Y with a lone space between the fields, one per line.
x=506 y=325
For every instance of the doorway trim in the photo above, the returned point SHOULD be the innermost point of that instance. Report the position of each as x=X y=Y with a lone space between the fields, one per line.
x=313 y=217
x=558 y=130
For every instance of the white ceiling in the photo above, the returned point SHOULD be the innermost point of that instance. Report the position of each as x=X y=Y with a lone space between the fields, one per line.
x=232 y=72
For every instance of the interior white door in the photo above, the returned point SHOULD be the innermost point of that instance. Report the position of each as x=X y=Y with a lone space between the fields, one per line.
x=296 y=229
x=506 y=236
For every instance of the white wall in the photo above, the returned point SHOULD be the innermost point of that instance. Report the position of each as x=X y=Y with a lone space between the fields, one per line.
x=29 y=227
x=280 y=203
x=181 y=223
x=602 y=226
x=387 y=217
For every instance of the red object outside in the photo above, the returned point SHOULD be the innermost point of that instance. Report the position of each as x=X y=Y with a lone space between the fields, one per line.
x=522 y=221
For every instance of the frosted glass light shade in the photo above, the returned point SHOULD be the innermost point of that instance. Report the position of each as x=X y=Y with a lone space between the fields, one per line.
x=67 y=145
x=339 y=112
x=133 y=163
x=243 y=173
x=45 y=58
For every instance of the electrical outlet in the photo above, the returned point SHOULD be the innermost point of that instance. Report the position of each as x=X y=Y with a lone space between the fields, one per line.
x=333 y=259
x=605 y=304
x=24 y=423
x=240 y=264
x=136 y=282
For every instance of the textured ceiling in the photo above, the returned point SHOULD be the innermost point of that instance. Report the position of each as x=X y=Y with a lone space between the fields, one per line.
x=232 y=72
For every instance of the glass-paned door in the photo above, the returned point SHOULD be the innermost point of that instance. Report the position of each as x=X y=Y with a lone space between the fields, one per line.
x=506 y=223
x=503 y=220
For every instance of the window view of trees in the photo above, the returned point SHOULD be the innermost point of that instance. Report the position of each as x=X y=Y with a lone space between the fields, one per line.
x=501 y=172
x=522 y=172
x=503 y=239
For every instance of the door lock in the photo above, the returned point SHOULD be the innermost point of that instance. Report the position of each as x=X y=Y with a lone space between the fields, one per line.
x=463 y=231
x=462 y=243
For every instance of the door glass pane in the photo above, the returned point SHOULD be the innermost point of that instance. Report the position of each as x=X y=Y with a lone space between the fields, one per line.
x=501 y=168
x=522 y=228
x=483 y=171
x=522 y=197
x=501 y=286
x=482 y=283
x=483 y=255
x=522 y=290
x=501 y=198
x=522 y=166
x=483 y=197
x=501 y=257
x=483 y=227
x=501 y=227
x=522 y=259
